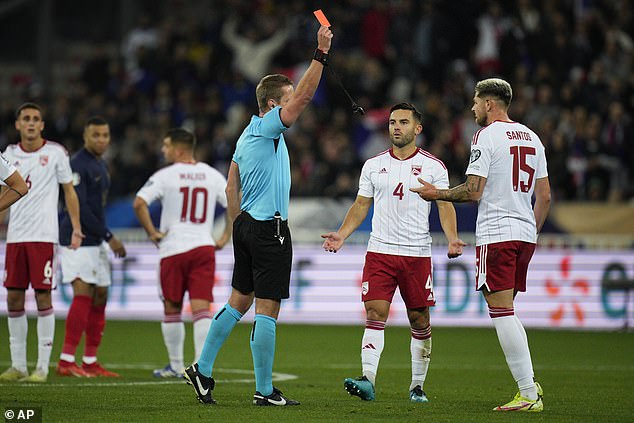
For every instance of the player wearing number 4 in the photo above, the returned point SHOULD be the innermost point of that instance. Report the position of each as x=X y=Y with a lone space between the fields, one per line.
x=507 y=166
x=188 y=191
x=31 y=238
x=399 y=250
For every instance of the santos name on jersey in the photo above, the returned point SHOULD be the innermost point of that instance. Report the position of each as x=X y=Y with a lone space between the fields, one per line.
x=188 y=193
x=511 y=157
x=400 y=225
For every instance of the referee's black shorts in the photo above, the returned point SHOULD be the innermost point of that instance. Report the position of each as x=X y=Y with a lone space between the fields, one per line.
x=263 y=257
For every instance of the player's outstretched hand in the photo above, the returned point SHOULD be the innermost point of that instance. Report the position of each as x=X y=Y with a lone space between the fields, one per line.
x=426 y=191
x=117 y=247
x=455 y=248
x=76 y=239
x=324 y=38
x=333 y=241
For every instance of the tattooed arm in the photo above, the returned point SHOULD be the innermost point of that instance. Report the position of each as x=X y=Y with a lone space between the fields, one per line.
x=470 y=190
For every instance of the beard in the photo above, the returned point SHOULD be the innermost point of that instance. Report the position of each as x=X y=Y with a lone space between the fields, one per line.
x=481 y=121
x=404 y=140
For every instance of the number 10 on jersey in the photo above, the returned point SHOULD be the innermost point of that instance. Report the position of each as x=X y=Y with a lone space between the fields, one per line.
x=190 y=200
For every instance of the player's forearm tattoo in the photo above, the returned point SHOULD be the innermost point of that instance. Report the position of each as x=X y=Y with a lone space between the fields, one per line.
x=461 y=193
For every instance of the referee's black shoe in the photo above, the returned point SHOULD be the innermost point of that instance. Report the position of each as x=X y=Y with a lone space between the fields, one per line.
x=276 y=399
x=202 y=384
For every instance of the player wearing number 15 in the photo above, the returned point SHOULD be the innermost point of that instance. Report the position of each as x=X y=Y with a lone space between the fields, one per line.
x=31 y=238
x=188 y=191
x=507 y=166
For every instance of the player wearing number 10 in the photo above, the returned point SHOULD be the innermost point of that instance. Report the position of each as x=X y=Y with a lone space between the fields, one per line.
x=507 y=166
x=188 y=191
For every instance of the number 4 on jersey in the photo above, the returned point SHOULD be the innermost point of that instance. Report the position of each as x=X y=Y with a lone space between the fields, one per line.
x=398 y=191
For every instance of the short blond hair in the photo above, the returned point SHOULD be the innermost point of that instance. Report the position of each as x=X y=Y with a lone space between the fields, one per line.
x=495 y=87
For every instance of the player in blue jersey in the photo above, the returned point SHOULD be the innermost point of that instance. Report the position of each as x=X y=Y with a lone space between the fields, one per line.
x=88 y=267
x=261 y=240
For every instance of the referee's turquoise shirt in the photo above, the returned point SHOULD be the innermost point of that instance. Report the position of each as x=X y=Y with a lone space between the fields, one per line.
x=265 y=168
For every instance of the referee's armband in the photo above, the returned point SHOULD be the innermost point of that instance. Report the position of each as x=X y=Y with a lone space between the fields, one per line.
x=108 y=236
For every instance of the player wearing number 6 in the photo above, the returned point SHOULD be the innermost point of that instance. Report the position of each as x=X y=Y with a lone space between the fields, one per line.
x=399 y=250
x=507 y=166
x=188 y=191
x=32 y=237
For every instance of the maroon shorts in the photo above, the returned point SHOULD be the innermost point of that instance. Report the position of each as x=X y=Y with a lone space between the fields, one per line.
x=503 y=265
x=191 y=271
x=30 y=262
x=382 y=273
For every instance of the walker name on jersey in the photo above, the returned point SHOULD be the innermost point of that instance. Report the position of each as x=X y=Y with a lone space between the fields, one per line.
x=518 y=135
x=192 y=176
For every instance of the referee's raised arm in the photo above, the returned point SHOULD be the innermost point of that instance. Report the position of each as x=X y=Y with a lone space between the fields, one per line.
x=310 y=80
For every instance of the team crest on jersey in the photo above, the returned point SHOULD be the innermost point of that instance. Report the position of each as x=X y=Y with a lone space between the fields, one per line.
x=416 y=170
x=43 y=160
x=475 y=155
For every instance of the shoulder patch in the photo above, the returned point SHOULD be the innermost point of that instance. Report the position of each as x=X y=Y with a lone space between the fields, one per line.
x=475 y=155
x=76 y=179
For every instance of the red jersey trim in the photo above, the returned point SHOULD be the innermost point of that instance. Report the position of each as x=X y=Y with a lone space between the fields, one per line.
x=476 y=135
x=53 y=143
x=406 y=158
x=380 y=154
x=431 y=156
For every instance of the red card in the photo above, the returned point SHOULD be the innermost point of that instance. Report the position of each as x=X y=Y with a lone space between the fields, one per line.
x=321 y=18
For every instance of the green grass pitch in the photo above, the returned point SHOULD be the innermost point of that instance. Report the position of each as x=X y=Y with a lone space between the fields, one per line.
x=587 y=377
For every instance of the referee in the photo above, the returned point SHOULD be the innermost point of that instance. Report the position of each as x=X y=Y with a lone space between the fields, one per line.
x=261 y=240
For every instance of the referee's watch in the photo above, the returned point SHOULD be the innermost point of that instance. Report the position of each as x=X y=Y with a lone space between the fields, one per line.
x=321 y=57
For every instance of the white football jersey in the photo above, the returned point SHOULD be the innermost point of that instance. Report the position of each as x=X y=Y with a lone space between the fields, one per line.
x=511 y=157
x=6 y=169
x=400 y=225
x=34 y=217
x=188 y=193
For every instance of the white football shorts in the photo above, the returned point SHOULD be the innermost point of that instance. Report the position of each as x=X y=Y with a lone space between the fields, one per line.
x=90 y=264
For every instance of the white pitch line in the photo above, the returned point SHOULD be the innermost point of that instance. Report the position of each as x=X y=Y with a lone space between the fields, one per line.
x=277 y=377
x=545 y=367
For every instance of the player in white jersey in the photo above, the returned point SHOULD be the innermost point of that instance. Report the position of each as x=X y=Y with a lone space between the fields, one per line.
x=32 y=236
x=399 y=250
x=188 y=191
x=12 y=185
x=507 y=166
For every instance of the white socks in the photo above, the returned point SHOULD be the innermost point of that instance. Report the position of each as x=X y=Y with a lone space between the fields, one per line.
x=18 y=327
x=202 y=321
x=174 y=338
x=514 y=344
x=420 y=347
x=371 y=348
x=45 y=334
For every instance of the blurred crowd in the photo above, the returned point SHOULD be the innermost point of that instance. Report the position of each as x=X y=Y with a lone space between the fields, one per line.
x=196 y=64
